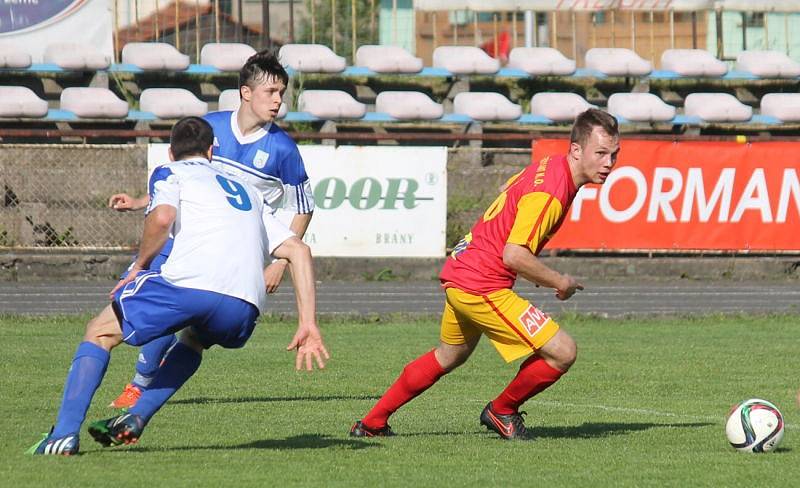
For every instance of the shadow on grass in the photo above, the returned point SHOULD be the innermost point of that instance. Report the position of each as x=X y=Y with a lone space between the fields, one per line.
x=305 y=441
x=267 y=399
x=591 y=430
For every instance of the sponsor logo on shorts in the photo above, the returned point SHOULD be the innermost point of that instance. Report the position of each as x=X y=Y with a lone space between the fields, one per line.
x=533 y=320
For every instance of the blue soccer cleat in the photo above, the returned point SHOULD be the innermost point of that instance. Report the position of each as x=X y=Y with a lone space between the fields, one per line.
x=56 y=446
x=122 y=429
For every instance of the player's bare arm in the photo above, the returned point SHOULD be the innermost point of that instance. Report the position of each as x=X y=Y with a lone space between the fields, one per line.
x=307 y=341
x=122 y=202
x=273 y=273
x=157 y=225
x=524 y=263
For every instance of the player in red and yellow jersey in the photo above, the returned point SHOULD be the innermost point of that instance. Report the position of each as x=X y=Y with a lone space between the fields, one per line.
x=480 y=272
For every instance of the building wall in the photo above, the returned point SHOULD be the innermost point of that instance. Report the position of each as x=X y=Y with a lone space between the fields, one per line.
x=770 y=31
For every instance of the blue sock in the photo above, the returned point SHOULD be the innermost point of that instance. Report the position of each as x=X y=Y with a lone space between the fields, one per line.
x=181 y=363
x=87 y=371
x=150 y=357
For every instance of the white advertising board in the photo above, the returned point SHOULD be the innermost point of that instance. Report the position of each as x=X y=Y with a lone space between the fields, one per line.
x=372 y=201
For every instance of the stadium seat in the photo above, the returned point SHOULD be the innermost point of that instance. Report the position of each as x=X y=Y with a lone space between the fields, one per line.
x=408 y=105
x=311 y=58
x=716 y=107
x=486 y=106
x=767 y=64
x=617 y=62
x=330 y=104
x=692 y=62
x=19 y=101
x=387 y=59
x=782 y=106
x=640 y=107
x=229 y=100
x=171 y=103
x=225 y=56
x=541 y=61
x=559 y=107
x=464 y=60
x=154 y=56
x=12 y=56
x=93 y=103
x=76 y=56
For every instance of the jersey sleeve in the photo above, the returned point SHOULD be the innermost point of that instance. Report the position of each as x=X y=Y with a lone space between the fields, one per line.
x=537 y=214
x=299 y=199
x=164 y=188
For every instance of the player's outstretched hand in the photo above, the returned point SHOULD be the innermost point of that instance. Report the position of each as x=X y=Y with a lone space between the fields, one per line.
x=308 y=344
x=132 y=273
x=569 y=290
x=121 y=202
x=273 y=274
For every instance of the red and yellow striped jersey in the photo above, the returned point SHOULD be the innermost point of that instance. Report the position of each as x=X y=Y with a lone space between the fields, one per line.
x=528 y=212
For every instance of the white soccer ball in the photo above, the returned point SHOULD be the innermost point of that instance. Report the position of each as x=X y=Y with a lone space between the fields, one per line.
x=754 y=426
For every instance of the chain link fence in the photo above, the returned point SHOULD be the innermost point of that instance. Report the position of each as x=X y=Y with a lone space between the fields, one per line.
x=55 y=196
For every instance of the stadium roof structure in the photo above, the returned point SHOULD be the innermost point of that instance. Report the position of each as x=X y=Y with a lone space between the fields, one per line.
x=598 y=5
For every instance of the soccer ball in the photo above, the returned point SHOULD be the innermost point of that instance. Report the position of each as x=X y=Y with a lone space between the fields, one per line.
x=754 y=426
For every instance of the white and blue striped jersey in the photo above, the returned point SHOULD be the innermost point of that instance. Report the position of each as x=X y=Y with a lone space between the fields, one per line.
x=268 y=159
x=221 y=234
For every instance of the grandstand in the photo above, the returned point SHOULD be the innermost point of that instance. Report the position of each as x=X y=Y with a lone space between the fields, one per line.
x=162 y=68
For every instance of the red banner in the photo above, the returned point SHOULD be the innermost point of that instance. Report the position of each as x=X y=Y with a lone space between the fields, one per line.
x=665 y=195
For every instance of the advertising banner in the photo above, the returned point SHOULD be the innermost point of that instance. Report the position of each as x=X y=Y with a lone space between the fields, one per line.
x=665 y=195
x=371 y=201
x=33 y=24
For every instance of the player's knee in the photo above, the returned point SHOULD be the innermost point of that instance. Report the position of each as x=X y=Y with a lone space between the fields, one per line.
x=190 y=339
x=561 y=351
x=452 y=356
x=103 y=332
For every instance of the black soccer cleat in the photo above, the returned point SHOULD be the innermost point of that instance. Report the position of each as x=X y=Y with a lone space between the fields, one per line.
x=507 y=426
x=122 y=429
x=56 y=446
x=361 y=430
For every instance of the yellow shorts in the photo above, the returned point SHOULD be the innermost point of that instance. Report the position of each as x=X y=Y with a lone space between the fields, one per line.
x=515 y=327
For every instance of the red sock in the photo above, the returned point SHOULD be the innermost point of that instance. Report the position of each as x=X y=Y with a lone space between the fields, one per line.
x=418 y=375
x=534 y=376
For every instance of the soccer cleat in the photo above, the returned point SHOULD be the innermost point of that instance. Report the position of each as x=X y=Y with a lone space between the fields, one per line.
x=361 y=430
x=122 y=429
x=128 y=398
x=508 y=426
x=58 y=446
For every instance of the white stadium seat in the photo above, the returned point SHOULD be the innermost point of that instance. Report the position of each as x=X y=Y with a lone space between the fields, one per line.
x=560 y=107
x=19 y=101
x=12 y=56
x=782 y=106
x=540 y=61
x=311 y=58
x=716 y=107
x=640 y=107
x=768 y=64
x=692 y=62
x=171 y=103
x=76 y=56
x=93 y=103
x=486 y=106
x=154 y=56
x=464 y=60
x=330 y=104
x=226 y=56
x=617 y=62
x=387 y=59
x=408 y=105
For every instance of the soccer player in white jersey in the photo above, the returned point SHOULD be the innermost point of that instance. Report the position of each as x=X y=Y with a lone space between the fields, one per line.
x=248 y=145
x=211 y=289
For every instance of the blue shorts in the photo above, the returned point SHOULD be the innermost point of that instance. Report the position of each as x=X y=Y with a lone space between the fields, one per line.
x=150 y=307
x=157 y=262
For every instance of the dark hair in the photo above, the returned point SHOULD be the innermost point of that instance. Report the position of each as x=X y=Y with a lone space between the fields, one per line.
x=190 y=136
x=588 y=120
x=261 y=66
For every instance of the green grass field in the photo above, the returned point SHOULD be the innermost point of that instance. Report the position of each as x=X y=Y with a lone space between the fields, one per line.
x=643 y=406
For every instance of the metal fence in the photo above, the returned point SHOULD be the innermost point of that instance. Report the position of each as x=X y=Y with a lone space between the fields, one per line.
x=55 y=196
